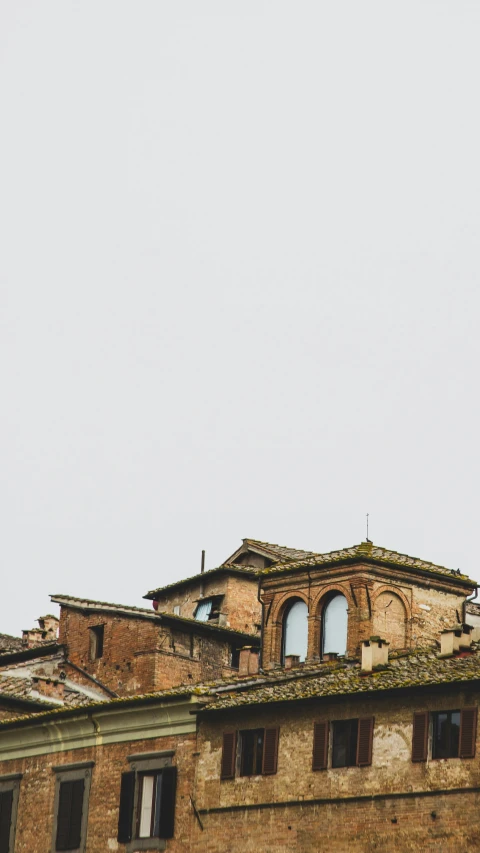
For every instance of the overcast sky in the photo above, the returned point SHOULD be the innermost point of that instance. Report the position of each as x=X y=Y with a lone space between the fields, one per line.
x=239 y=277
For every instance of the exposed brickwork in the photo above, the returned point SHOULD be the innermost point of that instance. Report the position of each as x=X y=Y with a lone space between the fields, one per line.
x=420 y=608
x=35 y=817
x=240 y=609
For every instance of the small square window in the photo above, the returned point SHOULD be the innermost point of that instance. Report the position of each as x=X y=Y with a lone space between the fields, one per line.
x=446 y=734
x=96 y=642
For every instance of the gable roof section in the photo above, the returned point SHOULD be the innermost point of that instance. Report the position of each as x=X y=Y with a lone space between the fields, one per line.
x=193 y=625
x=276 y=553
x=368 y=552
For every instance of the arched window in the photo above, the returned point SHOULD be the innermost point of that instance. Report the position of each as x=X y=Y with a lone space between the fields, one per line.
x=295 y=630
x=334 y=625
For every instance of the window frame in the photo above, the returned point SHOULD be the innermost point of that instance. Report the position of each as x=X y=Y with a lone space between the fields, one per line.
x=423 y=733
x=72 y=773
x=146 y=764
x=215 y=609
x=327 y=600
x=292 y=601
x=11 y=782
x=232 y=753
x=323 y=736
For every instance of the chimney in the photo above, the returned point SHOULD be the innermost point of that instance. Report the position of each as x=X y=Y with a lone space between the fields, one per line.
x=456 y=639
x=248 y=661
x=374 y=653
x=49 y=626
x=291 y=661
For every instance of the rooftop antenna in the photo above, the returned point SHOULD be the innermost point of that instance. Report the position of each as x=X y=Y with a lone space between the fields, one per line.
x=368 y=540
x=203 y=563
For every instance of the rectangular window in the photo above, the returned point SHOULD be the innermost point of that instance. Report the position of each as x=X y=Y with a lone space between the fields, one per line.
x=250 y=752
x=234 y=657
x=147 y=801
x=446 y=734
x=453 y=734
x=344 y=748
x=352 y=742
x=9 y=789
x=96 y=642
x=208 y=608
x=71 y=806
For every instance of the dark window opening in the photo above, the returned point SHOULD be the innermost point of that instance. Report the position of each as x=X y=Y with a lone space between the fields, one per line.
x=96 y=642
x=69 y=818
x=446 y=734
x=234 y=657
x=6 y=808
x=251 y=752
x=345 y=737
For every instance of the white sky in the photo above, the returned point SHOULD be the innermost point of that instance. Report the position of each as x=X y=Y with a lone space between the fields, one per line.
x=239 y=278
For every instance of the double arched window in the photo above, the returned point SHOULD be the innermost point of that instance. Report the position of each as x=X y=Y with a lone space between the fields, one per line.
x=335 y=625
x=295 y=630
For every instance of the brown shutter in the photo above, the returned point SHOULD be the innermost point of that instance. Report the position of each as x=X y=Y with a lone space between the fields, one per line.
x=420 y=736
x=167 y=802
x=69 y=817
x=468 y=733
x=320 y=746
x=125 y=817
x=6 y=802
x=270 y=752
x=229 y=754
x=364 y=741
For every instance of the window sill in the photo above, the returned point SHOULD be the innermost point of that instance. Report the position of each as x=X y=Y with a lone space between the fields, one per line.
x=138 y=845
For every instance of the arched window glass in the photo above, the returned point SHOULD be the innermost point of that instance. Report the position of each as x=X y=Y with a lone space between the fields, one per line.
x=335 y=621
x=295 y=630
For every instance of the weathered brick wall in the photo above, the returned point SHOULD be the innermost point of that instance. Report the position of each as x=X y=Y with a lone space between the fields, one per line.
x=410 y=612
x=240 y=610
x=140 y=656
x=36 y=803
x=318 y=820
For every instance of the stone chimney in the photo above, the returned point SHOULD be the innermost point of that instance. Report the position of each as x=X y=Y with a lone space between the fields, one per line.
x=456 y=639
x=291 y=661
x=248 y=661
x=374 y=653
x=49 y=625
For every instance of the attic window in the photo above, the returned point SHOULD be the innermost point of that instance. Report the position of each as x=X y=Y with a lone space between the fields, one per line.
x=209 y=609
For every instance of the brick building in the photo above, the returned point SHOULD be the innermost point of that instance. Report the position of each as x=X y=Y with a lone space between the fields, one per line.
x=286 y=701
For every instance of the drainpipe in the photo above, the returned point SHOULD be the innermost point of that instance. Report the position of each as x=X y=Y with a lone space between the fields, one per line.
x=467 y=600
x=260 y=654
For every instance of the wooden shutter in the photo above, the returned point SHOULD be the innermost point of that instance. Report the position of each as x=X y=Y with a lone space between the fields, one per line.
x=420 y=736
x=6 y=802
x=364 y=741
x=468 y=733
x=167 y=802
x=229 y=754
x=125 y=817
x=270 y=752
x=69 y=817
x=320 y=746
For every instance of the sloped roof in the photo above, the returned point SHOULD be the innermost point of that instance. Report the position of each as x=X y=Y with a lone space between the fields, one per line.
x=152 y=615
x=225 y=568
x=268 y=549
x=404 y=671
x=368 y=552
x=9 y=643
